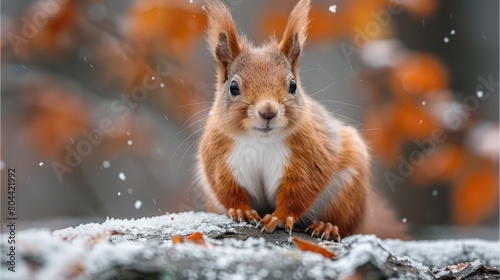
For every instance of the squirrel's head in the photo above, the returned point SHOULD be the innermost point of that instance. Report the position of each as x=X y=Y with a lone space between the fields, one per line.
x=258 y=88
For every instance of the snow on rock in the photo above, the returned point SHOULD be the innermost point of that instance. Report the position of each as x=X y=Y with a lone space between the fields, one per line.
x=440 y=253
x=143 y=247
x=161 y=226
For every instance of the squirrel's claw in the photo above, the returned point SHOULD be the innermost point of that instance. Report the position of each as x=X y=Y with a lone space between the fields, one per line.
x=240 y=216
x=325 y=231
x=318 y=229
x=252 y=216
x=336 y=235
x=313 y=225
x=289 y=225
x=270 y=223
x=232 y=213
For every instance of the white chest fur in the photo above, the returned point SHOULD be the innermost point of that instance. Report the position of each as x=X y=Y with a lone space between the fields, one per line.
x=258 y=166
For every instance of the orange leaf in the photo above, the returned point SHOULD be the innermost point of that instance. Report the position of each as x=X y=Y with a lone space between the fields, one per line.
x=412 y=121
x=177 y=239
x=420 y=8
x=120 y=69
x=166 y=27
x=476 y=197
x=57 y=116
x=53 y=33
x=324 y=24
x=362 y=16
x=419 y=74
x=311 y=247
x=196 y=238
x=441 y=163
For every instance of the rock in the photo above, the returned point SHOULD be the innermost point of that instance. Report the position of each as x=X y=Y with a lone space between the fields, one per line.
x=127 y=249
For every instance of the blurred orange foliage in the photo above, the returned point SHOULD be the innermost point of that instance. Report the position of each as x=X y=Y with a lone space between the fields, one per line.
x=412 y=121
x=413 y=86
x=420 y=8
x=170 y=28
x=441 y=164
x=407 y=105
x=55 y=36
x=419 y=74
x=57 y=117
x=476 y=197
x=346 y=19
x=324 y=24
x=405 y=98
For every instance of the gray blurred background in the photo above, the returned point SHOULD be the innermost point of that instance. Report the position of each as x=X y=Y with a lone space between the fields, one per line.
x=66 y=74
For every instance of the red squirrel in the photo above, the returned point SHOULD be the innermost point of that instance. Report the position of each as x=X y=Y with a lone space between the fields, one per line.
x=270 y=149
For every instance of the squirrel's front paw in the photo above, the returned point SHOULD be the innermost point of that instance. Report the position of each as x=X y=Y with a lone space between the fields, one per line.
x=326 y=230
x=270 y=223
x=250 y=216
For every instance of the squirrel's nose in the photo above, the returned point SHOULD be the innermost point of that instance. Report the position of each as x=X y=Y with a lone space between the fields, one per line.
x=267 y=114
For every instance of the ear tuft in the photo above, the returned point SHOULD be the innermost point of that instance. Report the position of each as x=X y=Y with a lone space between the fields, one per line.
x=296 y=32
x=221 y=35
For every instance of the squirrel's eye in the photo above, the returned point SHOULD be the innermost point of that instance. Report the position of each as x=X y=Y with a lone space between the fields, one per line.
x=234 y=89
x=293 y=87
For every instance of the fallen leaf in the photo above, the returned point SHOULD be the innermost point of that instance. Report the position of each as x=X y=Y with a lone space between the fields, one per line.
x=196 y=238
x=177 y=239
x=304 y=245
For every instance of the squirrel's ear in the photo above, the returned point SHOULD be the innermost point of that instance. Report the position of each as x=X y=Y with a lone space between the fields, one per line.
x=295 y=33
x=221 y=36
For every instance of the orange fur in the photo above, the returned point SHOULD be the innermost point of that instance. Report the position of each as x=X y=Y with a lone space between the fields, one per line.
x=318 y=147
x=294 y=36
x=225 y=188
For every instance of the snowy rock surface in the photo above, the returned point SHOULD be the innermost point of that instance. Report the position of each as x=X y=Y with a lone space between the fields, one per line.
x=143 y=247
